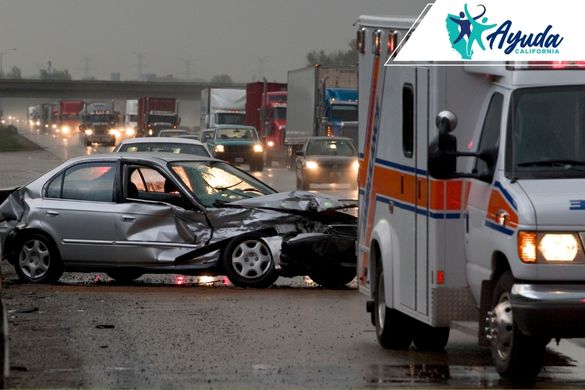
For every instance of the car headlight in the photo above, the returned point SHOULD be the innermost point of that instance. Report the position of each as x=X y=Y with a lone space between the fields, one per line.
x=550 y=247
x=88 y=132
x=219 y=149
x=270 y=144
x=258 y=148
x=312 y=165
x=114 y=132
x=130 y=132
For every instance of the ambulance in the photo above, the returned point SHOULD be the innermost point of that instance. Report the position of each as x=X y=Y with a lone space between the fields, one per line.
x=471 y=201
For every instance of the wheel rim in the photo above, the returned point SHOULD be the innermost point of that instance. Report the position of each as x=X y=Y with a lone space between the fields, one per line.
x=502 y=327
x=34 y=259
x=251 y=259
x=381 y=297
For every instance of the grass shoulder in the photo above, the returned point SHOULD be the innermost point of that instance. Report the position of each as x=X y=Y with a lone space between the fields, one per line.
x=11 y=141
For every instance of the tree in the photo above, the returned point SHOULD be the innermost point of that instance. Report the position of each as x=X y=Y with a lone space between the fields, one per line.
x=15 y=73
x=337 y=58
x=54 y=74
x=223 y=78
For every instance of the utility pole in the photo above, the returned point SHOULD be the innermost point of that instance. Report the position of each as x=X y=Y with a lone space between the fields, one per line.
x=86 y=67
x=140 y=64
x=2 y=57
x=187 y=64
x=261 y=62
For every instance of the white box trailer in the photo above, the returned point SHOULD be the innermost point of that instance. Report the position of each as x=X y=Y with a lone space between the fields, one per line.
x=471 y=201
x=222 y=106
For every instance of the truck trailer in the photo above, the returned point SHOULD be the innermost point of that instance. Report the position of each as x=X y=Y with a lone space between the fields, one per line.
x=322 y=101
x=470 y=201
x=222 y=106
x=266 y=110
x=69 y=117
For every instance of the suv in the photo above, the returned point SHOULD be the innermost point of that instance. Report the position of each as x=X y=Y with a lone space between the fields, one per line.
x=239 y=145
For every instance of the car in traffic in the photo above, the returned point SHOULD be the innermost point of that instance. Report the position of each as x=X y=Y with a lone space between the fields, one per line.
x=172 y=132
x=129 y=214
x=238 y=144
x=327 y=160
x=163 y=144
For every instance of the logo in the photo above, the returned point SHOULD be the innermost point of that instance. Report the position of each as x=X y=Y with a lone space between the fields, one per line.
x=466 y=29
x=466 y=33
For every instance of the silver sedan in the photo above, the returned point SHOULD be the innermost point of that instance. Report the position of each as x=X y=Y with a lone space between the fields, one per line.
x=128 y=214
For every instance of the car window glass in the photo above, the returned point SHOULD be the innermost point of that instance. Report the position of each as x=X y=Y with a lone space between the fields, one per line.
x=54 y=187
x=166 y=147
x=92 y=182
x=148 y=180
x=331 y=148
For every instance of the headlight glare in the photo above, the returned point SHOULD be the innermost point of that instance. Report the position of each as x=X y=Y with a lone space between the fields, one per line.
x=270 y=144
x=312 y=165
x=258 y=148
x=559 y=247
x=219 y=149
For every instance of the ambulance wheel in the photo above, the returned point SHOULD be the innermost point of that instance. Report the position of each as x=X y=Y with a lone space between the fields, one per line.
x=248 y=262
x=394 y=329
x=430 y=338
x=516 y=356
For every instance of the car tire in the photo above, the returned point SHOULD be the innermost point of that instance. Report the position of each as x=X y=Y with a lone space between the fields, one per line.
x=124 y=276
x=37 y=260
x=248 y=262
x=394 y=329
x=430 y=338
x=333 y=278
x=516 y=356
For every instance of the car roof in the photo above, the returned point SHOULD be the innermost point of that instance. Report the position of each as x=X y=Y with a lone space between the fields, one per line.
x=234 y=127
x=159 y=157
x=150 y=140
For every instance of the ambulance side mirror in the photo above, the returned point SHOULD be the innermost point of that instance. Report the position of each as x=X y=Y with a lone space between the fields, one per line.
x=443 y=150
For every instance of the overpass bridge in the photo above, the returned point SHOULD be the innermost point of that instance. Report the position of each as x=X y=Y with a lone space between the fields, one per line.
x=99 y=89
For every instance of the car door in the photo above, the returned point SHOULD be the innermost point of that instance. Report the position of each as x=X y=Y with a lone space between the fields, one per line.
x=79 y=211
x=159 y=222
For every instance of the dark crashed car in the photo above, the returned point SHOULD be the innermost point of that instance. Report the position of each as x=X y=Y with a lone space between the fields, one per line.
x=129 y=214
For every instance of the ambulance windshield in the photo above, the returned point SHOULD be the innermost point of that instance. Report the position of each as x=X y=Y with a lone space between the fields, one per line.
x=548 y=129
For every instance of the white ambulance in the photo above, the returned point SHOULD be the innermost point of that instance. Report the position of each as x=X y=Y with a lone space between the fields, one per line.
x=472 y=201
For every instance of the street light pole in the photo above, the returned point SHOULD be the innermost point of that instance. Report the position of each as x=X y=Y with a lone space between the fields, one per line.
x=2 y=57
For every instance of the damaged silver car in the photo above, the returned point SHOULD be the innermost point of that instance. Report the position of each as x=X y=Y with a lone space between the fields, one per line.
x=129 y=214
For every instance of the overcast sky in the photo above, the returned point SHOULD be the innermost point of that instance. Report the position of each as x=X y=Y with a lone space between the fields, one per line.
x=237 y=37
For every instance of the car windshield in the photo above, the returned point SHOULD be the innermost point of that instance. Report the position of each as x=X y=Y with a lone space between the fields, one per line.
x=331 y=147
x=216 y=183
x=166 y=147
x=236 y=134
x=280 y=113
x=231 y=118
x=345 y=113
x=172 y=133
x=548 y=127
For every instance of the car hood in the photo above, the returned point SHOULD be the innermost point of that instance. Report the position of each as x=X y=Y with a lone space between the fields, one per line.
x=562 y=204
x=296 y=201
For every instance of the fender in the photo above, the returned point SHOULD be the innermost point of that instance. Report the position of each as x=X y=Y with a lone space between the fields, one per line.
x=385 y=236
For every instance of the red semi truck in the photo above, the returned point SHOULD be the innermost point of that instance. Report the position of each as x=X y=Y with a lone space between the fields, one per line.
x=266 y=110
x=155 y=114
x=69 y=117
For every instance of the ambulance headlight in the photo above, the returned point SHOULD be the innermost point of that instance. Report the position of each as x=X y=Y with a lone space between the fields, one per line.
x=312 y=165
x=550 y=247
x=559 y=247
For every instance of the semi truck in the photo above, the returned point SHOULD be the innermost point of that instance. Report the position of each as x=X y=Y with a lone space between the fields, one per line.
x=470 y=201
x=222 y=106
x=266 y=104
x=98 y=123
x=155 y=114
x=69 y=117
x=322 y=101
